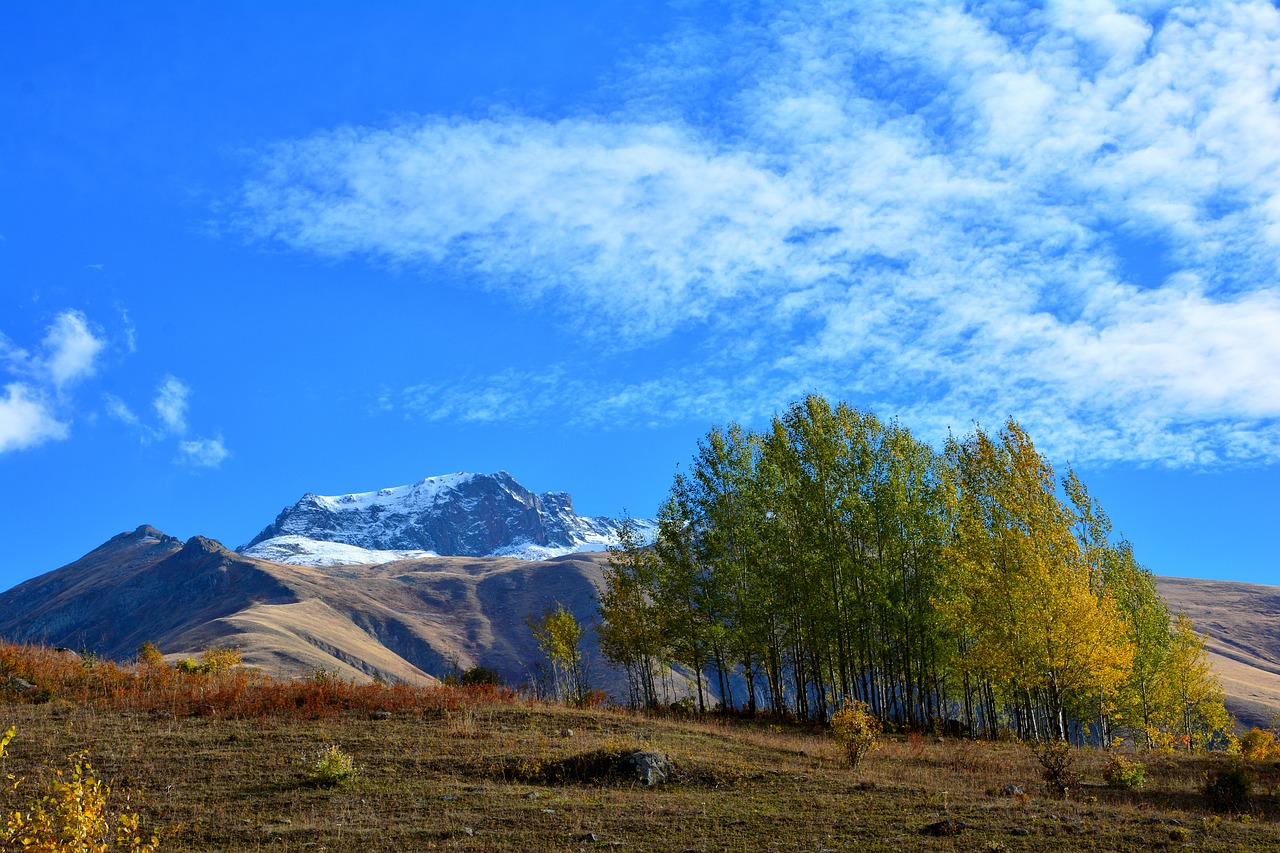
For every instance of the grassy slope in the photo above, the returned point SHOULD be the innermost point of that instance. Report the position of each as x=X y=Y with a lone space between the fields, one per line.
x=1242 y=622
x=459 y=779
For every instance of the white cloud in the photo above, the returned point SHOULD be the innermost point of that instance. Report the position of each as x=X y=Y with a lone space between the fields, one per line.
x=933 y=209
x=71 y=349
x=171 y=404
x=34 y=410
x=25 y=420
x=204 y=452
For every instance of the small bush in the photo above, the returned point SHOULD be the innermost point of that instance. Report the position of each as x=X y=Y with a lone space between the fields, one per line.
x=1120 y=773
x=480 y=675
x=220 y=659
x=1057 y=759
x=857 y=731
x=1228 y=788
x=71 y=816
x=332 y=767
x=149 y=655
x=1259 y=745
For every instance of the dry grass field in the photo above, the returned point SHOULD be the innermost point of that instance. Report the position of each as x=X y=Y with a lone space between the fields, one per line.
x=220 y=763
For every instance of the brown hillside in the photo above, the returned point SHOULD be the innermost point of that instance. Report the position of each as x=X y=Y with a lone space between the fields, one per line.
x=1242 y=621
x=412 y=620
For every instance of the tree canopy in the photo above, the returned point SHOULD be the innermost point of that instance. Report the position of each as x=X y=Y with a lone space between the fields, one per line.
x=835 y=557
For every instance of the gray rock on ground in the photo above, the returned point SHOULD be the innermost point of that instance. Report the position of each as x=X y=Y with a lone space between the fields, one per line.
x=647 y=768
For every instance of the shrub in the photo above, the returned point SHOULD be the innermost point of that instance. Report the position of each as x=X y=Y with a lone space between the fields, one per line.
x=1057 y=759
x=71 y=816
x=149 y=655
x=1120 y=773
x=332 y=767
x=220 y=659
x=480 y=675
x=1259 y=745
x=1228 y=787
x=857 y=731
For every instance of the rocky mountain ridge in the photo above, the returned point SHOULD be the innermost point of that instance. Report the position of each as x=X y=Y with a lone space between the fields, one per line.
x=450 y=515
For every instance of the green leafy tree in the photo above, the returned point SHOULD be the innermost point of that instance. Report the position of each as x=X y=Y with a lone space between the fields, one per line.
x=629 y=628
x=679 y=587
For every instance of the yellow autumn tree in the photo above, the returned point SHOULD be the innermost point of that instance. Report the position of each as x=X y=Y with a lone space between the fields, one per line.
x=1188 y=708
x=1030 y=623
x=559 y=635
x=1171 y=696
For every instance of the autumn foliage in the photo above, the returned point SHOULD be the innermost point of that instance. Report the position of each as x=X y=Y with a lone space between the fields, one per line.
x=223 y=689
x=973 y=589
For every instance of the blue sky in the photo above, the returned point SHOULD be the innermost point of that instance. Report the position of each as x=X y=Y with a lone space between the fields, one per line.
x=251 y=250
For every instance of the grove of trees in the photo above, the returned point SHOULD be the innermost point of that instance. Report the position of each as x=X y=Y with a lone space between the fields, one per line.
x=836 y=557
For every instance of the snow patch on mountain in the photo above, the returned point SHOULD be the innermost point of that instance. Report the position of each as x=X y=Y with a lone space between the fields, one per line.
x=302 y=551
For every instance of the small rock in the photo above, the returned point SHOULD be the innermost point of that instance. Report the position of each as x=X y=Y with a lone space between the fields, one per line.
x=468 y=831
x=532 y=795
x=566 y=733
x=381 y=715
x=548 y=811
x=1013 y=790
x=448 y=798
x=21 y=685
x=1019 y=830
x=592 y=837
x=647 y=768
x=944 y=828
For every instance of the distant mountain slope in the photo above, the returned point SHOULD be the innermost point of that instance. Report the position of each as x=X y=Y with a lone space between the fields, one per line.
x=450 y=515
x=1242 y=621
x=411 y=620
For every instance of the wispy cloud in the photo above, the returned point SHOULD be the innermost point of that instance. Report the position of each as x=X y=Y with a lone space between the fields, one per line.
x=120 y=411
x=170 y=404
x=939 y=211
x=35 y=409
x=39 y=405
x=204 y=452
x=68 y=353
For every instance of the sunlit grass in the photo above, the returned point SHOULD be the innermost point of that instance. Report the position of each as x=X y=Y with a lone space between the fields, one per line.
x=448 y=768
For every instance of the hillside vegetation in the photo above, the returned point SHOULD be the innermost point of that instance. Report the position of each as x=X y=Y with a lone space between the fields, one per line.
x=225 y=759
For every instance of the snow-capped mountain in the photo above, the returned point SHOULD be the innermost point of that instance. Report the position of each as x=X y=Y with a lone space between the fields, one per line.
x=471 y=515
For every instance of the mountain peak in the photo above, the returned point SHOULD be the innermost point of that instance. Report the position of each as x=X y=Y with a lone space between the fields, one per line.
x=203 y=545
x=459 y=514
